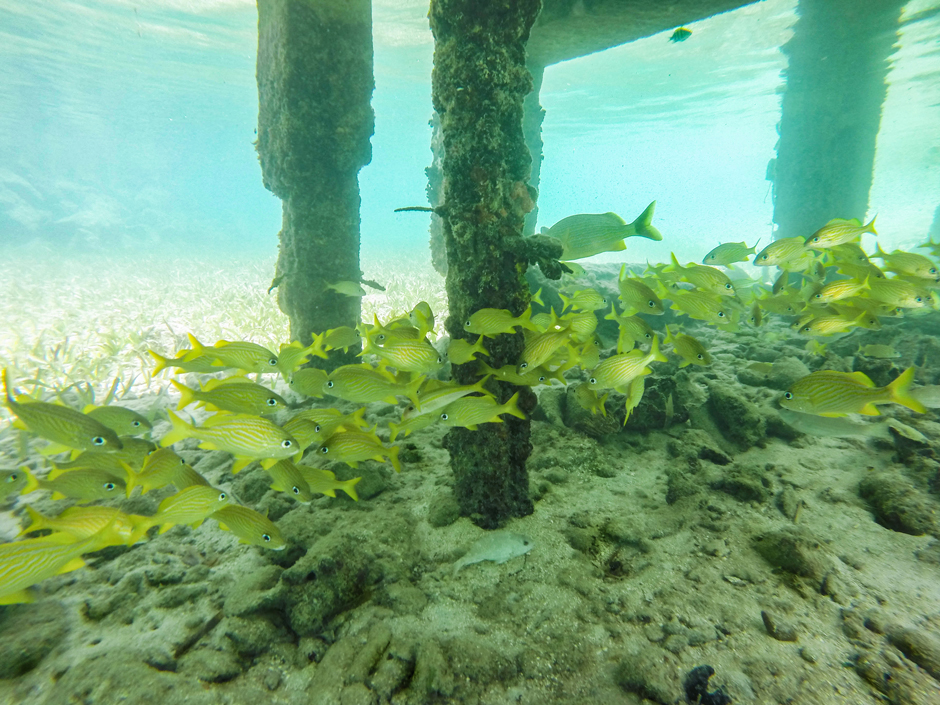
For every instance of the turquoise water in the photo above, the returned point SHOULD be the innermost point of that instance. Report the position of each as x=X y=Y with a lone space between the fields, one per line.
x=126 y=127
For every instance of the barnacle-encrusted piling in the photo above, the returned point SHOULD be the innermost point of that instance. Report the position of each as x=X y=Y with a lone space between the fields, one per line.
x=478 y=86
x=831 y=111
x=315 y=119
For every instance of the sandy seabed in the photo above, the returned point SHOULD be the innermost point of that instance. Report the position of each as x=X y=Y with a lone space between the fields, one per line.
x=801 y=568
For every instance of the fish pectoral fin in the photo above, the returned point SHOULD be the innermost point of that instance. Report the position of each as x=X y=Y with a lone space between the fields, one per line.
x=269 y=463
x=73 y=564
x=870 y=410
x=618 y=246
x=22 y=427
x=240 y=464
x=54 y=449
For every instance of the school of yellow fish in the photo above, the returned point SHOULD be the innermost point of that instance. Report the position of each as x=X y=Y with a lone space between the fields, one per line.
x=828 y=285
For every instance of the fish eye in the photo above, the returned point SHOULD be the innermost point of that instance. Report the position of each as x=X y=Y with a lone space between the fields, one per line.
x=439 y=359
x=271 y=402
x=330 y=384
x=721 y=314
x=806 y=329
x=316 y=429
x=135 y=423
x=444 y=417
x=266 y=538
x=933 y=270
x=764 y=257
x=324 y=450
x=222 y=496
x=542 y=378
x=728 y=286
x=593 y=380
x=380 y=337
x=700 y=356
x=652 y=304
x=524 y=366
x=109 y=486
x=98 y=441
x=295 y=490
x=918 y=299
x=273 y=362
x=467 y=324
x=818 y=296
x=13 y=477
x=815 y=239
x=788 y=395
x=286 y=443
x=182 y=461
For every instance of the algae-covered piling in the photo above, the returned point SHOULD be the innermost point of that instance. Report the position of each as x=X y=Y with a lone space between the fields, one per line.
x=315 y=84
x=478 y=86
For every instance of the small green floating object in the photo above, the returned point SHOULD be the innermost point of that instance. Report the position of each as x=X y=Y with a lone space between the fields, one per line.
x=680 y=35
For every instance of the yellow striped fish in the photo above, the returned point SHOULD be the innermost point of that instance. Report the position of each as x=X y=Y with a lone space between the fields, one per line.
x=909 y=263
x=460 y=352
x=422 y=318
x=240 y=354
x=410 y=425
x=66 y=428
x=25 y=563
x=531 y=378
x=701 y=306
x=287 y=478
x=111 y=463
x=831 y=393
x=235 y=394
x=436 y=395
x=83 y=484
x=248 y=438
x=588 y=399
x=352 y=446
x=202 y=364
x=325 y=482
x=250 y=527
x=896 y=292
x=637 y=296
x=619 y=370
x=329 y=421
x=82 y=522
x=290 y=356
x=840 y=289
x=688 y=348
x=308 y=381
x=583 y=300
x=470 y=412
x=588 y=234
x=779 y=251
x=164 y=467
x=192 y=505
x=540 y=348
x=699 y=275
x=832 y=325
x=407 y=355
x=124 y=422
x=490 y=322
x=728 y=253
x=364 y=384
x=581 y=325
x=839 y=231
x=343 y=337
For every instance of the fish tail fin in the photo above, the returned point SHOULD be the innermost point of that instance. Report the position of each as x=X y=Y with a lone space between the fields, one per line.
x=900 y=391
x=140 y=531
x=654 y=351
x=395 y=430
x=36 y=522
x=870 y=228
x=644 y=224
x=670 y=338
x=537 y=297
x=565 y=302
x=525 y=319
x=178 y=432
x=32 y=484
x=674 y=266
x=393 y=458
x=612 y=316
x=349 y=487
x=162 y=363
x=511 y=407
x=879 y=253
x=187 y=395
x=752 y=250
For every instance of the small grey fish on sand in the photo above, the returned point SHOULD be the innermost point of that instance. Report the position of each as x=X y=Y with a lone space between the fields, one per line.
x=496 y=546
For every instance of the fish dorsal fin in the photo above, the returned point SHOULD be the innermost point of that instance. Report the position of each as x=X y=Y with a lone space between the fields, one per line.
x=862 y=377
